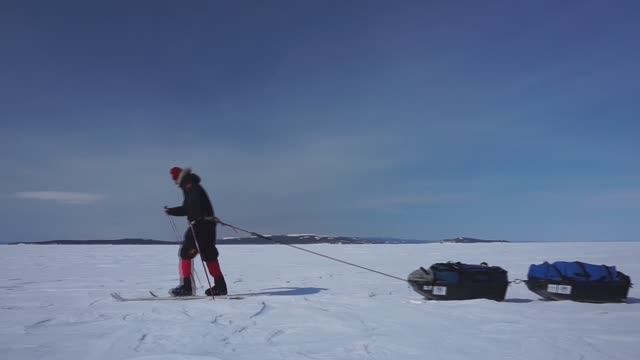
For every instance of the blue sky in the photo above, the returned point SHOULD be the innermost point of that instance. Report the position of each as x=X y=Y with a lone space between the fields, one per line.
x=411 y=119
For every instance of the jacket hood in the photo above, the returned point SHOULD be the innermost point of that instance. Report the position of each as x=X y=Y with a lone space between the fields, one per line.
x=188 y=177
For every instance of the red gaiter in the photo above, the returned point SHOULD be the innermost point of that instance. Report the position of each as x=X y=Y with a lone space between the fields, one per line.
x=185 y=269
x=214 y=269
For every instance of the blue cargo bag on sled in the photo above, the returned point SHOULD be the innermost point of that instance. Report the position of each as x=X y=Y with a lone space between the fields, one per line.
x=458 y=281
x=578 y=281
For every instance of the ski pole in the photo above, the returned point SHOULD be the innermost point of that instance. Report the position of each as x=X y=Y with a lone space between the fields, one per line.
x=204 y=268
x=175 y=230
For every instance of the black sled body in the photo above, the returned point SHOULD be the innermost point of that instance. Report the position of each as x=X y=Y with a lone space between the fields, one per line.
x=457 y=281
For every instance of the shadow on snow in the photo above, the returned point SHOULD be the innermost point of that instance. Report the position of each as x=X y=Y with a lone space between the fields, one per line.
x=630 y=300
x=518 y=301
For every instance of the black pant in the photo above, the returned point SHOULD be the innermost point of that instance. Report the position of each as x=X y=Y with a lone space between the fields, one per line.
x=206 y=237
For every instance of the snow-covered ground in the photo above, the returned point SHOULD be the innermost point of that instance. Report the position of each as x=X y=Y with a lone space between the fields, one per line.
x=55 y=304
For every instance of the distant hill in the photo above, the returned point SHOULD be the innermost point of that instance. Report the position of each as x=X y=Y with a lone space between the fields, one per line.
x=299 y=239
x=466 y=240
x=319 y=239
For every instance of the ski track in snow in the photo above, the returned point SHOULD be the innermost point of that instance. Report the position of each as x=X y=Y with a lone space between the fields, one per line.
x=262 y=309
x=55 y=304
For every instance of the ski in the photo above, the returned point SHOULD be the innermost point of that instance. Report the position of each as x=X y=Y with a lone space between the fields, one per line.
x=155 y=297
x=231 y=297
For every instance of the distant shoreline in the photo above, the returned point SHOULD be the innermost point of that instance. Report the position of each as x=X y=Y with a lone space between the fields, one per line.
x=276 y=239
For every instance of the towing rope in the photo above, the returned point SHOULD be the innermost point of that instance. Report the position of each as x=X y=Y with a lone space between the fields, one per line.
x=310 y=251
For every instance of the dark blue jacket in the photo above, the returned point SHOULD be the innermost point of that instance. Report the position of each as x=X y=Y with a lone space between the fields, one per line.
x=196 y=205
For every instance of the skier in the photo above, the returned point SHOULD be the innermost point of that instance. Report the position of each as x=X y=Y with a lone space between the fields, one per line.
x=199 y=212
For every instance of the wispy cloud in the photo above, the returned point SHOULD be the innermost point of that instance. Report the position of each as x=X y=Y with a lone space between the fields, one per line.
x=60 y=196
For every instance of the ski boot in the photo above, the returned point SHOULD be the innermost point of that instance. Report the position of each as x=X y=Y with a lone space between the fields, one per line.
x=219 y=289
x=185 y=289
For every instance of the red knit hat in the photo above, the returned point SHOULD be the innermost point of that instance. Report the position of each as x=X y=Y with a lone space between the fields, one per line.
x=175 y=173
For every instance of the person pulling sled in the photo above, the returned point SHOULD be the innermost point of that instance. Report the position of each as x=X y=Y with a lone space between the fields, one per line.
x=201 y=234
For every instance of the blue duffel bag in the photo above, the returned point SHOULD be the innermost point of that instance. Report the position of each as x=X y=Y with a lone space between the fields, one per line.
x=578 y=281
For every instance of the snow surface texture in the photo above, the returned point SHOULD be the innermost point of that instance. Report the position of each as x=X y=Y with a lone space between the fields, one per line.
x=55 y=304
